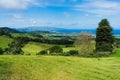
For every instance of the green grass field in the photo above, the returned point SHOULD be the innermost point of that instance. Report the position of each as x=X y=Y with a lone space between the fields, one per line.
x=33 y=47
x=4 y=41
x=117 y=53
x=21 y=35
x=58 y=68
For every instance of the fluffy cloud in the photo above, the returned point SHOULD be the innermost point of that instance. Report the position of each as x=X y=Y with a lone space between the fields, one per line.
x=16 y=4
x=24 y=4
x=100 y=7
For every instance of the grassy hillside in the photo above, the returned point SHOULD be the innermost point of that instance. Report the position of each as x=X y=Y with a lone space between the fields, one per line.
x=58 y=68
x=4 y=41
x=34 y=47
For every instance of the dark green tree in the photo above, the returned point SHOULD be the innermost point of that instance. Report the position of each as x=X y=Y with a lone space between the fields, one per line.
x=1 y=32
x=1 y=51
x=104 y=36
x=43 y=52
x=72 y=53
x=15 y=47
x=56 y=49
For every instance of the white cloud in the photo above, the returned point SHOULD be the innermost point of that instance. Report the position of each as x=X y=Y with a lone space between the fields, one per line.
x=17 y=16
x=16 y=4
x=99 y=7
x=24 y=4
x=44 y=3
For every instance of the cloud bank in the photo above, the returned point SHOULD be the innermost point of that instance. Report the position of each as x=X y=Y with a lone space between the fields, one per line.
x=16 y=4
x=100 y=7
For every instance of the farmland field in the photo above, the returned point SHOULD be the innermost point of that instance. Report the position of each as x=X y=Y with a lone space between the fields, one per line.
x=4 y=41
x=58 y=68
x=59 y=40
x=34 y=47
x=32 y=67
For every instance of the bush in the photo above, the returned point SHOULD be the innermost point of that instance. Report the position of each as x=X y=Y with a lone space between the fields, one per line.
x=28 y=54
x=43 y=52
x=101 y=54
x=117 y=43
x=1 y=51
x=71 y=53
x=56 y=49
x=14 y=50
x=68 y=45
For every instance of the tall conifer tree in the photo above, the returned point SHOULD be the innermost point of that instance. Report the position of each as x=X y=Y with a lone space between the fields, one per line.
x=104 y=36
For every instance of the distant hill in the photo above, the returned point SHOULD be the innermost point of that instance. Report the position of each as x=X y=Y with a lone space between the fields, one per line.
x=52 y=29
x=62 y=30
x=10 y=30
x=34 y=28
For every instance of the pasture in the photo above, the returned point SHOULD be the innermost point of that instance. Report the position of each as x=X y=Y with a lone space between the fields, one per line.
x=58 y=68
x=25 y=67
x=4 y=41
x=34 y=47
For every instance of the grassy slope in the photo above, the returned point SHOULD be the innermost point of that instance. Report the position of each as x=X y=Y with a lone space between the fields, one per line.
x=58 y=68
x=117 y=53
x=33 y=47
x=4 y=41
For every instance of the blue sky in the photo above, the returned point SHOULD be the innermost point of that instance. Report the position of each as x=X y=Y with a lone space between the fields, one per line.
x=59 y=13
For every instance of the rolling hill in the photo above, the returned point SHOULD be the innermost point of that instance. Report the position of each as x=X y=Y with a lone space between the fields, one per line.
x=4 y=41
x=10 y=30
x=34 y=47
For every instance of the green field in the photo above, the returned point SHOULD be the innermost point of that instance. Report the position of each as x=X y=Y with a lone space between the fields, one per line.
x=58 y=68
x=4 y=41
x=117 y=53
x=34 y=47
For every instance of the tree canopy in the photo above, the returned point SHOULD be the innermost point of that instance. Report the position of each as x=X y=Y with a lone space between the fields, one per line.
x=104 y=36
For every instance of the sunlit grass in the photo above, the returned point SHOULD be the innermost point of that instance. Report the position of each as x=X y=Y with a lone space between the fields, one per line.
x=34 y=47
x=58 y=68
x=117 y=53
x=4 y=41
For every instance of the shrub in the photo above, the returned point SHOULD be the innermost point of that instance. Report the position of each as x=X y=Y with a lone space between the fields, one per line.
x=56 y=49
x=1 y=51
x=68 y=45
x=117 y=43
x=28 y=54
x=14 y=50
x=101 y=54
x=72 y=53
x=43 y=52
x=84 y=43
